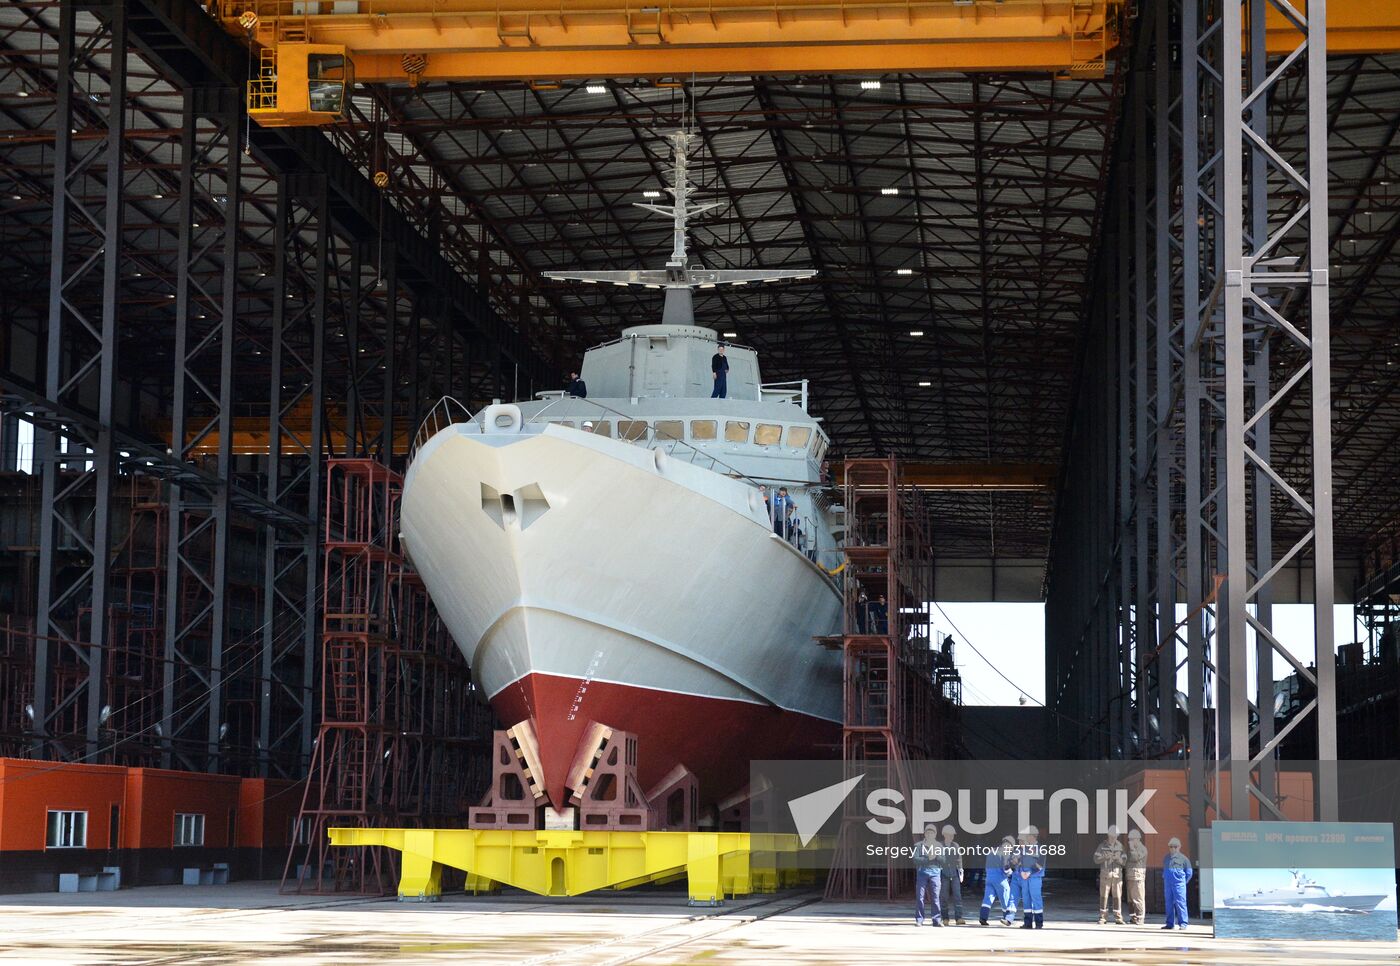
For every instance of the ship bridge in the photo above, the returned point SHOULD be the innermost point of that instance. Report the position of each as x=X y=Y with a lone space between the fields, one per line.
x=667 y=360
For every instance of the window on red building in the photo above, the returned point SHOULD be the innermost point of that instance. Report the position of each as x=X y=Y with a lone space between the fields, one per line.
x=189 y=828
x=67 y=830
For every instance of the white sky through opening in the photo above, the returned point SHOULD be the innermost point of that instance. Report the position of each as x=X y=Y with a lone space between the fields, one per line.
x=1006 y=653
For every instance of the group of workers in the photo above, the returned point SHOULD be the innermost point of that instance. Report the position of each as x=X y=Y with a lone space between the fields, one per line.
x=1015 y=876
x=1119 y=863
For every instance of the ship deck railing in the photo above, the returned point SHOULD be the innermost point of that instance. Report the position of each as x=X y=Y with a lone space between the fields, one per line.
x=793 y=392
x=445 y=412
x=449 y=411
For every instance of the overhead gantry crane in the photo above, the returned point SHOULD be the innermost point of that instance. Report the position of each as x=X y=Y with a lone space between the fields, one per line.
x=309 y=53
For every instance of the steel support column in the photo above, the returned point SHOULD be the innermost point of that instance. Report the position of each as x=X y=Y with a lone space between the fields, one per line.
x=206 y=312
x=1166 y=366
x=1258 y=229
x=1196 y=155
x=75 y=539
x=291 y=555
x=388 y=418
x=1261 y=272
x=1120 y=314
x=1146 y=634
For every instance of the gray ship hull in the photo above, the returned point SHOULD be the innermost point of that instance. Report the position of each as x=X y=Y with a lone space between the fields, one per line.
x=1349 y=903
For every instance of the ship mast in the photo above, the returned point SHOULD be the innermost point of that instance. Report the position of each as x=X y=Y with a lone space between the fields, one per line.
x=678 y=279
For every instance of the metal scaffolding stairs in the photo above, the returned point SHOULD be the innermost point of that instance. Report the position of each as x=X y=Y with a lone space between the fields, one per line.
x=894 y=711
x=400 y=742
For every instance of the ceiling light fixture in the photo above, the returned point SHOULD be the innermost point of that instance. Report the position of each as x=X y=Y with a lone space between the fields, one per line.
x=904 y=271
x=925 y=384
x=596 y=88
x=870 y=85
x=916 y=333
x=651 y=194
x=889 y=191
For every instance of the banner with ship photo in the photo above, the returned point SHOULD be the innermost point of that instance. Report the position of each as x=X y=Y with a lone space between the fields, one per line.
x=1304 y=880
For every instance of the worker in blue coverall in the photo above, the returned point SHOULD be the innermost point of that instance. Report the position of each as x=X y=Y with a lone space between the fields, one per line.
x=1000 y=868
x=1029 y=878
x=927 y=873
x=1176 y=872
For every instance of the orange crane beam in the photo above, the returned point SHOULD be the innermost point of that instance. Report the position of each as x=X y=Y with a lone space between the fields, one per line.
x=1353 y=27
x=410 y=40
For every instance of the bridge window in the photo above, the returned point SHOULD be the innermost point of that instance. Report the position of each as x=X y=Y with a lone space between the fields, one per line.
x=670 y=429
x=702 y=429
x=798 y=435
x=736 y=431
x=768 y=434
x=631 y=429
x=600 y=428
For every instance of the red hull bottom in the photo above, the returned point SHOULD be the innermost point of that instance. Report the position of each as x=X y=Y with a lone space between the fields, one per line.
x=714 y=738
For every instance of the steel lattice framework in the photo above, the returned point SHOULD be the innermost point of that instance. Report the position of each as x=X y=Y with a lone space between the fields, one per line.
x=1228 y=345
x=176 y=282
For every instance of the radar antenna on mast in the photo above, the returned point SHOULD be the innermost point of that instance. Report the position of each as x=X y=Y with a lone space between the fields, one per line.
x=676 y=278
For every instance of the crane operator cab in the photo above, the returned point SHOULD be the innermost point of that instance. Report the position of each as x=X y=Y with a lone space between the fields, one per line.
x=301 y=84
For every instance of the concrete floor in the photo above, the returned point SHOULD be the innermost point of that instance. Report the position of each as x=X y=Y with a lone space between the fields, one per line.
x=248 y=922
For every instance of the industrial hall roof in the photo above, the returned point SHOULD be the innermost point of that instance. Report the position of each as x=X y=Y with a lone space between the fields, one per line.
x=953 y=220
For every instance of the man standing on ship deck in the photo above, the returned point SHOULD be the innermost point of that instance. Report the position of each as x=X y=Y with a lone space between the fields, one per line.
x=719 y=371
x=782 y=508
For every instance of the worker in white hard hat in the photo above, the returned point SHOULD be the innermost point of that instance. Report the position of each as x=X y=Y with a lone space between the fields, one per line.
x=950 y=863
x=1030 y=877
x=1000 y=882
x=1135 y=874
x=926 y=875
x=1110 y=857
x=1176 y=872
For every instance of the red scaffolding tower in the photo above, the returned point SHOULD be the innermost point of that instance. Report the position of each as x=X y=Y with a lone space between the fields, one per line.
x=895 y=710
x=401 y=736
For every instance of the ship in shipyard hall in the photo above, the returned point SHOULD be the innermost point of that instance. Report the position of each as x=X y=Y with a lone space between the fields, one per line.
x=628 y=562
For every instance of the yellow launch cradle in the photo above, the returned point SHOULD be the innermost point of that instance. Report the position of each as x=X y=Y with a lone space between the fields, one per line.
x=716 y=865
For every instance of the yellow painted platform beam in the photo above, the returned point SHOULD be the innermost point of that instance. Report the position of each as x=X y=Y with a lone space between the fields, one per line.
x=396 y=40
x=716 y=864
x=1353 y=27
